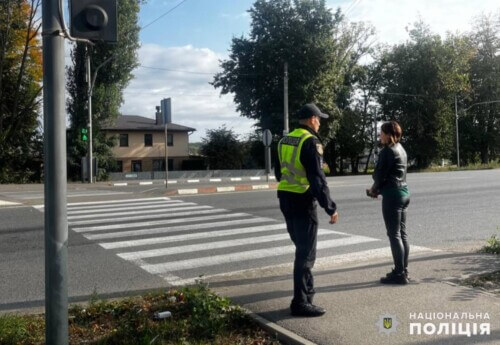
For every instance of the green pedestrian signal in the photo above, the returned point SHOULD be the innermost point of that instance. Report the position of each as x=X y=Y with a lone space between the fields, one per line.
x=84 y=134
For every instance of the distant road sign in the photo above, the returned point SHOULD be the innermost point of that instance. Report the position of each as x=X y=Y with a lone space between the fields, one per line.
x=267 y=137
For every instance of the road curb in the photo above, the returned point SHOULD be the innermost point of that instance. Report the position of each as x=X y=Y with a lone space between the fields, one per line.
x=224 y=189
x=282 y=334
x=188 y=181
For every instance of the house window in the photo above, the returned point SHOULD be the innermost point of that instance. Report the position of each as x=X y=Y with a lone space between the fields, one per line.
x=158 y=165
x=123 y=140
x=136 y=166
x=148 y=139
x=119 y=166
x=170 y=139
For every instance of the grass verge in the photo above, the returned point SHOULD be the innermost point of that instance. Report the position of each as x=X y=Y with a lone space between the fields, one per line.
x=198 y=317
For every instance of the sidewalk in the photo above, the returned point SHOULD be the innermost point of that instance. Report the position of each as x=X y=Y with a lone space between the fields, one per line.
x=356 y=302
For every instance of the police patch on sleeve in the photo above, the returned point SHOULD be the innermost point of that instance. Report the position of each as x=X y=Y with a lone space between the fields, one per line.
x=319 y=148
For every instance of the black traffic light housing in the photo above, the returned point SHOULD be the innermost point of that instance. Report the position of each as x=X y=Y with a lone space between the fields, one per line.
x=95 y=20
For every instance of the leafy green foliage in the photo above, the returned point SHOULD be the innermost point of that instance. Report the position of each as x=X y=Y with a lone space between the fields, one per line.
x=20 y=90
x=117 y=61
x=493 y=246
x=300 y=33
x=222 y=149
x=198 y=317
x=418 y=86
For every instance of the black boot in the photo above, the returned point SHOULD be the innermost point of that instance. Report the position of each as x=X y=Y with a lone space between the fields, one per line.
x=306 y=309
x=394 y=278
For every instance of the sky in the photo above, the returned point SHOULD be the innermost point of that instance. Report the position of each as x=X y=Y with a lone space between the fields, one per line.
x=181 y=51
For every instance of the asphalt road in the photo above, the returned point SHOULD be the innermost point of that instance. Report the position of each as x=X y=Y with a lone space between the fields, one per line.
x=124 y=246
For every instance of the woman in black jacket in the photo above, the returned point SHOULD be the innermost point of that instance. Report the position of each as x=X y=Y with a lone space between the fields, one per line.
x=390 y=181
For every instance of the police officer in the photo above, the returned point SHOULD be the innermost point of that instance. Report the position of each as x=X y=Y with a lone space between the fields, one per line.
x=301 y=182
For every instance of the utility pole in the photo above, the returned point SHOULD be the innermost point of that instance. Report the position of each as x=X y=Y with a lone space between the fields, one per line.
x=456 y=127
x=55 y=175
x=286 y=129
x=89 y=108
x=166 y=150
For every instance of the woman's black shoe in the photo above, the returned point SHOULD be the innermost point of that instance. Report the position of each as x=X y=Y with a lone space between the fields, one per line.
x=394 y=278
x=306 y=309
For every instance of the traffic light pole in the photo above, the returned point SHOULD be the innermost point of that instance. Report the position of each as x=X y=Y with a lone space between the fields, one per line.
x=56 y=226
x=89 y=108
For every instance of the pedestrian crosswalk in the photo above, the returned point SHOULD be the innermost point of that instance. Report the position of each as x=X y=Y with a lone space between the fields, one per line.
x=179 y=241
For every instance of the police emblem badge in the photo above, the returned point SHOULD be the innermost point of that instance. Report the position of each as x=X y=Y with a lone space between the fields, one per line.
x=319 y=148
x=387 y=324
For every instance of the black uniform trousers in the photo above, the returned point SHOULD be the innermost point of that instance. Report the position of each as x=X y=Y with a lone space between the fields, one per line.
x=302 y=225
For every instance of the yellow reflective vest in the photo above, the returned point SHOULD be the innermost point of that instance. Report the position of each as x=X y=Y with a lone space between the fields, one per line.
x=293 y=173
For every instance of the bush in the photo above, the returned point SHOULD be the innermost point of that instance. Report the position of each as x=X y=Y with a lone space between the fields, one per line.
x=493 y=246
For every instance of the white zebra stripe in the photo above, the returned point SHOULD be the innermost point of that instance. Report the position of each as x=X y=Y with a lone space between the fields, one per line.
x=132 y=256
x=132 y=233
x=150 y=216
x=151 y=211
x=248 y=255
x=159 y=222
x=115 y=208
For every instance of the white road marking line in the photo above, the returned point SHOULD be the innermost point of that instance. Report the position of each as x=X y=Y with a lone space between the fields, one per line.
x=173 y=266
x=127 y=213
x=215 y=180
x=187 y=191
x=193 y=181
x=145 y=183
x=159 y=222
x=121 y=184
x=133 y=256
x=8 y=203
x=225 y=189
x=127 y=206
x=195 y=236
x=132 y=233
x=255 y=178
x=260 y=186
x=272 y=177
x=364 y=255
x=170 y=181
x=149 y=217
x=235 y=178
x=116 y=201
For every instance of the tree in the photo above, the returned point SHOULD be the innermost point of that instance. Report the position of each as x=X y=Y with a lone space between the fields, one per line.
x=299 y=33
x=120 y=60
x=222 y=149
x=20 y=89
x=482 y=123
x=418 y=83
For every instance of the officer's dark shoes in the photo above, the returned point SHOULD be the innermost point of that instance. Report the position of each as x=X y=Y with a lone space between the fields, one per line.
x=306 y=309
x=395 y=278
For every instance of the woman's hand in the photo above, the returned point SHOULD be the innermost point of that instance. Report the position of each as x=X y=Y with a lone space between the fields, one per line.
x=371 y=193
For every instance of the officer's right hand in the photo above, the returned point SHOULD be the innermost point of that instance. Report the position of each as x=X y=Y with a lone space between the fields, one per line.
x=334 y=218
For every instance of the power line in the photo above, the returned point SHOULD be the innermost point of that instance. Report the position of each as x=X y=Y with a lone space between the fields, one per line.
x=163 y=15
x=192 y=72
x=176 y=70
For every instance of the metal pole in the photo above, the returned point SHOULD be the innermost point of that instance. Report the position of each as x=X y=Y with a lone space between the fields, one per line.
x=456 y=126
x=375 y=136
x=166 y=151
x=286 y=129
x=267 y=155
x=56 y=226
x=89 y=106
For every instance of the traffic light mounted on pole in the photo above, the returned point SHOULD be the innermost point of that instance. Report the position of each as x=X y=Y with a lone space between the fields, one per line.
x=95 y=20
